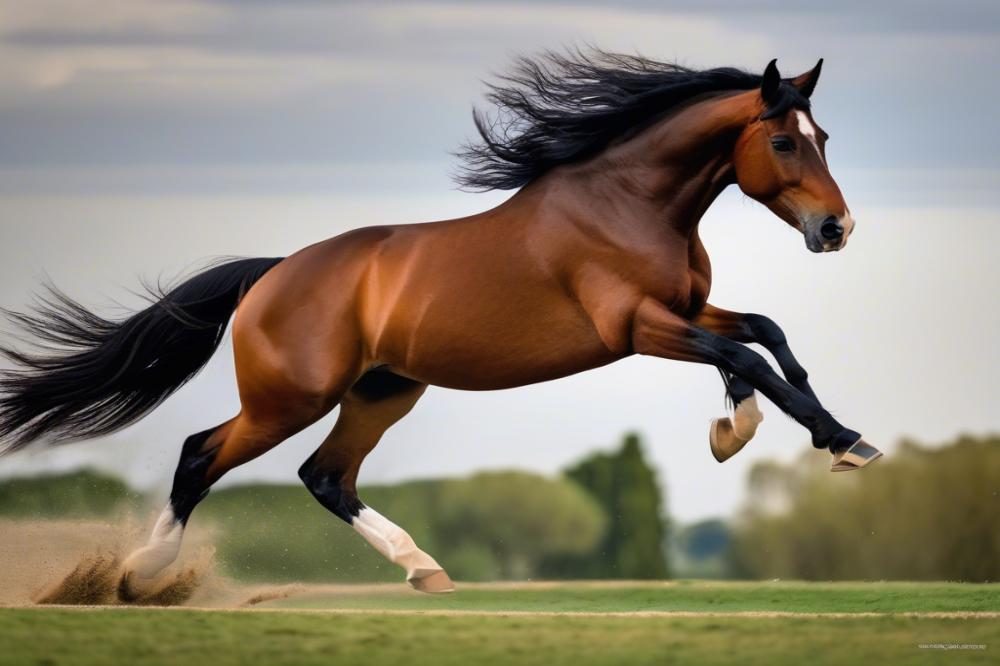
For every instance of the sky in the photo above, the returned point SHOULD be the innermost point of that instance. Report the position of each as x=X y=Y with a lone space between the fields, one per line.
x=138 y=138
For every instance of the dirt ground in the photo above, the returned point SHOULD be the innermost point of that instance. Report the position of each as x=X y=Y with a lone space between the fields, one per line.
x=78 y=562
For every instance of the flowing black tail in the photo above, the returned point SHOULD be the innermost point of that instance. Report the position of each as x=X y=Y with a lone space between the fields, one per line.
x=93 y=376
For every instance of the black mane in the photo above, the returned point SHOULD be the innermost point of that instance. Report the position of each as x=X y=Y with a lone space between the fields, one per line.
x=561 y=108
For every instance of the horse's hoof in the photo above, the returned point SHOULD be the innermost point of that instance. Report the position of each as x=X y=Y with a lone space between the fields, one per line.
x=857 y=455
x=723 y=440
x=125 y=592
x=431 y=582
x=727 y=436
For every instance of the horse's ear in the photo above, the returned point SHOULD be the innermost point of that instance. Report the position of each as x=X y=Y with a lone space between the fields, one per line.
x=770 y=81
x=806 y=82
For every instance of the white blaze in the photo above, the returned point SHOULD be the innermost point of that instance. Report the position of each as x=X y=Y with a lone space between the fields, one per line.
x=806 y=128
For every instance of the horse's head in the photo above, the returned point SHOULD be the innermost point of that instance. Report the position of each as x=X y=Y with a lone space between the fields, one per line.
x=780 y=160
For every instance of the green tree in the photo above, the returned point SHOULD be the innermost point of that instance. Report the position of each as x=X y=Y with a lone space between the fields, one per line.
x=490 y=526
x=633 y=546
x=519 y=518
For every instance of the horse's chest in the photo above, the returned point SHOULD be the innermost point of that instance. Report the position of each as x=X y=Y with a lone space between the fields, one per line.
x=684 y=292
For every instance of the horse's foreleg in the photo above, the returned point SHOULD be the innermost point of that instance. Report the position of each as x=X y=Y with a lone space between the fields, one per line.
x=728 y=436
x=747 y=327
x=659 y=332
x=378 y=400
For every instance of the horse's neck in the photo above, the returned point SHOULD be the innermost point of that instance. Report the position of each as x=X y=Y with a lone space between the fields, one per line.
x=668 y=174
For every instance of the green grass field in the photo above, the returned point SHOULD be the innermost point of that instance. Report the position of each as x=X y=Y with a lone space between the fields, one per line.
x=691 y=596
x=717 y=627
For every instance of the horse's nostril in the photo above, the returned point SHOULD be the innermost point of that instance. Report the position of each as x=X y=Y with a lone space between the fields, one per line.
x=832 y=229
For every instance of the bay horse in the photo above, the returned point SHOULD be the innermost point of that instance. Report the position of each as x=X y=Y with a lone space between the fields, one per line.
x=614 y=160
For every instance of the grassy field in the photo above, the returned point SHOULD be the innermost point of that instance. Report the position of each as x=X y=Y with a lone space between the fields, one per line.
x=575 y=625
x=692 y=596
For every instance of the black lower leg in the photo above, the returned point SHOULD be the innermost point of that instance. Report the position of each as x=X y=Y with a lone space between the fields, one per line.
x=329 y=489
x=190 y=487
x=190 y=483
x=766 y=332
x=750 y=366
x=737 y=388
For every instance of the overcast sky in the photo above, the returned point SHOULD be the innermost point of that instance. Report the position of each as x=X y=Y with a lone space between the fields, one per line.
x=138 y=137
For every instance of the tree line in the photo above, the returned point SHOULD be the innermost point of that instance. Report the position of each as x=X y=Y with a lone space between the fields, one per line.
x=921 y=513
x=602 y=518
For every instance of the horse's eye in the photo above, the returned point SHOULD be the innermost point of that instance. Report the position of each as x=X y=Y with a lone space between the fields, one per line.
x=782 y=144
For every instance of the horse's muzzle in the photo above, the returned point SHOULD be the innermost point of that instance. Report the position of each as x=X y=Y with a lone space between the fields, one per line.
x=828 y=234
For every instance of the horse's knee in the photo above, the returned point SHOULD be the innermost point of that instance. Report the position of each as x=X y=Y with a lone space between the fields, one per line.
x=765 y=331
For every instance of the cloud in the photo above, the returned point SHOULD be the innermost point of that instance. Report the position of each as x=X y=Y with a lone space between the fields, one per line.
x=383 y=42
x=197 y=82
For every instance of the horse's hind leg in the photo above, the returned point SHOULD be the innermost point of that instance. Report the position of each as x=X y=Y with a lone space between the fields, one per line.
x=378 y=400
x=205 y=457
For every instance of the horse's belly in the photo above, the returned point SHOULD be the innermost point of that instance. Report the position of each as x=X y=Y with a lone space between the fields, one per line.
x=488 y=351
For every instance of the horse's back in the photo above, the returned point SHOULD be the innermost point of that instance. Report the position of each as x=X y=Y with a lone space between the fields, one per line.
x=460 y=303
x=468 y=304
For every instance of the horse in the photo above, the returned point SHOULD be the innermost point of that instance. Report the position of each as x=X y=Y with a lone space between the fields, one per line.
x=614 y=159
